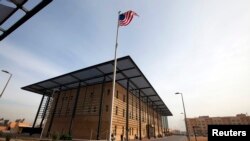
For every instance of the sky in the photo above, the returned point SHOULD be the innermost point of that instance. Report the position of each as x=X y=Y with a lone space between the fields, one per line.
x=200 y=48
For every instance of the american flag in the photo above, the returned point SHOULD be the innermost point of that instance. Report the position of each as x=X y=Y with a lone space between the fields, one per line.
x=126 y=18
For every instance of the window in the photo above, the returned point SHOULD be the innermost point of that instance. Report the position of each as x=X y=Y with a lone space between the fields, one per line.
x=116 y=110
x=124 y=98
x=89 y=110
x=108 y=91
x=122 y=129
x=107 y=108
x=94 y=110
x=117 y=94
x=115 y=129
x=66 y=99
x=92 y=95
x=123 y=112
x=67 y=111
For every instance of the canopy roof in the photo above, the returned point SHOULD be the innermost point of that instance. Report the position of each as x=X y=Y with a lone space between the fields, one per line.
x=14 y=13
x=126 y=70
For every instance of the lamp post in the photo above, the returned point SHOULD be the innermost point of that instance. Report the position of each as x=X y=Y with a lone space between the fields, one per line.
x=184 y=115
x=7 y=81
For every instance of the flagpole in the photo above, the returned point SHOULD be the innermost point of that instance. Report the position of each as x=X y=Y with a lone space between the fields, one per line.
x=114 y=78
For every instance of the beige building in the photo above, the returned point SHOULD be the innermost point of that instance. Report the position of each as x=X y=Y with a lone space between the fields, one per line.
x=13 y=126
x=79 y=103
x=199 y=125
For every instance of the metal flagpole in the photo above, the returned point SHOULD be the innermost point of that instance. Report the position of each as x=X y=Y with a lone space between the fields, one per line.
x=114 y=78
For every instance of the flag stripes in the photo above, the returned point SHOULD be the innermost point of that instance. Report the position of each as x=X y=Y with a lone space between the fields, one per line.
x=126 y=18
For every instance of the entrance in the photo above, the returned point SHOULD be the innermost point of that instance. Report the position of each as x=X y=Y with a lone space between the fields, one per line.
x=150 y=131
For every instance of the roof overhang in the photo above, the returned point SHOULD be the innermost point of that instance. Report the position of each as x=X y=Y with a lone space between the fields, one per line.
x=13 y=13
x=126 y=70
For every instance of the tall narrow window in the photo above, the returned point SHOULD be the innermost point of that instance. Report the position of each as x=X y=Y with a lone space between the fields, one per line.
x=117 y=94
x=116 y=110
x=136 y=115
x=67 y=111
x=91 y=95
x=94 y=110
x=108 y=91
x=107 y=108
x=89 y=110
x=124 y=98
x=123 y=113
x=115 y=129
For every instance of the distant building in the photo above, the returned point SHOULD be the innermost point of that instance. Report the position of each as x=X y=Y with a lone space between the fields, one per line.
x=13 y=126
x=79 y=103
x=199 y=125
x=174 y=132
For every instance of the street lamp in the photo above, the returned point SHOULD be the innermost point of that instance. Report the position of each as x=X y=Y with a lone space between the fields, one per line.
x=184 y=115
x=7 y=81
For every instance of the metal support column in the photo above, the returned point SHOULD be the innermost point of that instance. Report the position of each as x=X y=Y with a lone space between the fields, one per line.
x=127 y=111
x=154 y=118
x=37 y=113
x=147 y=120
x=74 y=108
x=139 y=114
x=158 y=121
x=151 y=113
x=54 y=110
x=100 y=110
x=166 y=124
x=161 y=124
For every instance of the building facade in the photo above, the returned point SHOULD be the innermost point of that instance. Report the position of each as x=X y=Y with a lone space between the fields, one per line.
x=79 y=103
x=199 y=126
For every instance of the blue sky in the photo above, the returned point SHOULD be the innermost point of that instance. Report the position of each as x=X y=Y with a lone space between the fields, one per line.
x=198 y=47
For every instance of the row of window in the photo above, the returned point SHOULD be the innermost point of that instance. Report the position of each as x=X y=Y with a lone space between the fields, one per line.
x=94 y=109
x=131 y=115
x=65 y=98
x=131 y=131
x=92 y=94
